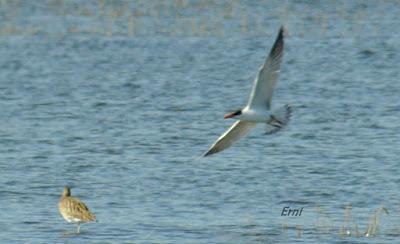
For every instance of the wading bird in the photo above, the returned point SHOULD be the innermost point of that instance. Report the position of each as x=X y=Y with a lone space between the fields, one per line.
x=74 y=210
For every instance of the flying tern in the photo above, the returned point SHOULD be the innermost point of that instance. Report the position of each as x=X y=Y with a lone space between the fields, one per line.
x=258 y=108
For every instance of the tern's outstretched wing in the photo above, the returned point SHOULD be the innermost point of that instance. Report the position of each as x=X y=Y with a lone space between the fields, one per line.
x=233 y=134
x=265 y=81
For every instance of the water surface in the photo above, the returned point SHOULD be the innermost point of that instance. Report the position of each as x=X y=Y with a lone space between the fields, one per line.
x=119 y=100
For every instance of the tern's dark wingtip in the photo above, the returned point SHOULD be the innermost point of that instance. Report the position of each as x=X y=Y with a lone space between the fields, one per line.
x=282 y=31
x=208 y=153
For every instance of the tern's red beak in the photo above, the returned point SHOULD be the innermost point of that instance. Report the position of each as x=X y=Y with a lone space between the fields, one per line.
x=231 y=115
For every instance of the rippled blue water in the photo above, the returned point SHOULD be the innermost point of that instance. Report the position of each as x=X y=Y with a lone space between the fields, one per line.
x=118 y=100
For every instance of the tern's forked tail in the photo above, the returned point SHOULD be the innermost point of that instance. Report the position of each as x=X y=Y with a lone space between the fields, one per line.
x=279 y=119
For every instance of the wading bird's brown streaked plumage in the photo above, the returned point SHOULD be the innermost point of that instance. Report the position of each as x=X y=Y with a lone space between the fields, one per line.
x=74 y=210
